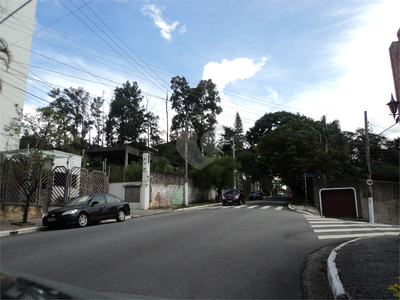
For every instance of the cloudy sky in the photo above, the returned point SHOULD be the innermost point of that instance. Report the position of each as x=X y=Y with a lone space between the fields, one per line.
x=314 y=57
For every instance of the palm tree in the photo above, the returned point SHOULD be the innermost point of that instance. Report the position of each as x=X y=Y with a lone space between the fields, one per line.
x=5 y=56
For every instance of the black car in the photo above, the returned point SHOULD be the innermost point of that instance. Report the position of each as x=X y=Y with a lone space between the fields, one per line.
x=254 y=195
x=88 y=209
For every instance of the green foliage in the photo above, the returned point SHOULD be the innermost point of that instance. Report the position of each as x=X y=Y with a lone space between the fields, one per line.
x=289 y=145
x=162 y=165
x=126 y=118
x=27 y=170
x=77 y=113
x=218 y=174
x=133 y=172
x=197 y=107
x=395 y=288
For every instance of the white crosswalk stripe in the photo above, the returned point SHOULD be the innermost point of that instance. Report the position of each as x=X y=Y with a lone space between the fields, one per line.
x=239 y=207
x=251 y=207
x=330 y=228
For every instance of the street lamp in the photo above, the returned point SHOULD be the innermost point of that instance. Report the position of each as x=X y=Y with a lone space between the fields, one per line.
x=394 y=107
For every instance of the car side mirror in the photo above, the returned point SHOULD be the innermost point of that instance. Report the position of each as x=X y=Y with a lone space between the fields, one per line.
x=95 y=202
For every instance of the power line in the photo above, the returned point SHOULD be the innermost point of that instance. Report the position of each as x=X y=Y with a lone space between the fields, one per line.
x=108 y=43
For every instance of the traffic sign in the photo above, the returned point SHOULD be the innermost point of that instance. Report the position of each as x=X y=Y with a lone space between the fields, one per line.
x=369 y=182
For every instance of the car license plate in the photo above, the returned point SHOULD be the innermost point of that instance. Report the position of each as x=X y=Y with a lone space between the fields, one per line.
x=51 y=219
x=230 y=201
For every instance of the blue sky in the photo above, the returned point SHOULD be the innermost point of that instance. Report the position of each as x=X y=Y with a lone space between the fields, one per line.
x=315 y=57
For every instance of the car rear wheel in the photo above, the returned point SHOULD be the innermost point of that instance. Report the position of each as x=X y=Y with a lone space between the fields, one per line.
x=83 y=220
x=121 y=216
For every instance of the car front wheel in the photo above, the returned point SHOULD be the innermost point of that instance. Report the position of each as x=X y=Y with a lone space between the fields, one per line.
x=83 y=220
x=121 y=216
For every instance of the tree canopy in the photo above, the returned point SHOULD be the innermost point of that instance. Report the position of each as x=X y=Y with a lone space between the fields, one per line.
x=195 y=107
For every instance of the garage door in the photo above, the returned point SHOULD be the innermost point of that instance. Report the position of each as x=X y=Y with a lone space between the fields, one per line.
x=340 y=202
x=132 y=194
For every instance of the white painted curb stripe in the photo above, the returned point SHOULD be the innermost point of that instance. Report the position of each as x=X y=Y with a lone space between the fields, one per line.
x=333 y=276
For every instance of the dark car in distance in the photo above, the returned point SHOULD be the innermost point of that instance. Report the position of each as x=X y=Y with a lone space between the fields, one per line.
x=233 y=196
x=254 y=195
x=87 y=209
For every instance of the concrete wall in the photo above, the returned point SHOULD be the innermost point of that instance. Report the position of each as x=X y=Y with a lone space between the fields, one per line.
x=385 y=197
x=166 y=190
x=118 y=189
x=162 y=195
x=17 y=31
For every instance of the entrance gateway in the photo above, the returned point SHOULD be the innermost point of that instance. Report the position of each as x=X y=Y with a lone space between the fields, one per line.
x=338 y=202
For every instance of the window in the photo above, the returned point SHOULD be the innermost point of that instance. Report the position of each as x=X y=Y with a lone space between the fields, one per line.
x=111 y=199
x=101 y=199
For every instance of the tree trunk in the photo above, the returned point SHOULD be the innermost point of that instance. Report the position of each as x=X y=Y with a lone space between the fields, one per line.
x=26 y=209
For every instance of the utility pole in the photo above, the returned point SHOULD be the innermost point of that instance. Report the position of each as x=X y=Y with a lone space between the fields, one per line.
x=369 y=175
x=185 y=182
x=234 y=158
x=166 y=111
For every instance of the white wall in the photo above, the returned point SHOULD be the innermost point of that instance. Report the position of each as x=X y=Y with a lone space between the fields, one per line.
x=118 y=189
x=17 y=31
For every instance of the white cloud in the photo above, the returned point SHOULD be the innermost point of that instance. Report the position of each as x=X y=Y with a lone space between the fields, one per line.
x=229 y=71
x=367 y=82
x=156 y=14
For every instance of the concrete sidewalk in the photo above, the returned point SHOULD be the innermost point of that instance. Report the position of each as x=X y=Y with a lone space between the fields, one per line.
x=362 y=268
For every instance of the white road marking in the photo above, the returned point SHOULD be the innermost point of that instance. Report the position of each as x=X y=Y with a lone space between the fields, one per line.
x=278 y=207
x=265 y=207
x=251 y=207
x=240 y=206
x=356 y=229
x=350 y=227
x=342 y=236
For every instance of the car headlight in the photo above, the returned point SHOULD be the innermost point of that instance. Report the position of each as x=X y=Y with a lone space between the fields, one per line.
x=70 y=212
x=237 y=196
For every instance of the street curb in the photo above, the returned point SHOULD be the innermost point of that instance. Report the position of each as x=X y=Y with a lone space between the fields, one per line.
x=21 y=231
x=333 y=275
x=300 y=211
x=32 y=229
x=194 y=207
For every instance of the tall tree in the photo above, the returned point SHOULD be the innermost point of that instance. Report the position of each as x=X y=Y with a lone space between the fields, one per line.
x=27 y=170
x=40 y=131
x=78 y=112
x=154 y=133
x=126 y=119
x=238 y=125
x=197 y=108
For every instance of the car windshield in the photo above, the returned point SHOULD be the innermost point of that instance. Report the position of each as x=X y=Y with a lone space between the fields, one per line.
x=232 y=192
x=82 y=200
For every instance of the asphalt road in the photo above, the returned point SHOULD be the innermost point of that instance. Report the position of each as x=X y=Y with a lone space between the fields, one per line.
x=210 y=253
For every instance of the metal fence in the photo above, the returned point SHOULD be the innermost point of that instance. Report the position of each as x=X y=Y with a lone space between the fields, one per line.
x=56 y=187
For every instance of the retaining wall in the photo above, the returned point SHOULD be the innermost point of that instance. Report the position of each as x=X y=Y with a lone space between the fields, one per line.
x=385 y=197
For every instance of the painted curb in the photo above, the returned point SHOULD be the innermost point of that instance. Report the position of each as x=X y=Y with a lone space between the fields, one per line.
x=21 y=231
x=300 y=211
x=333 y=275
x=195 y=207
